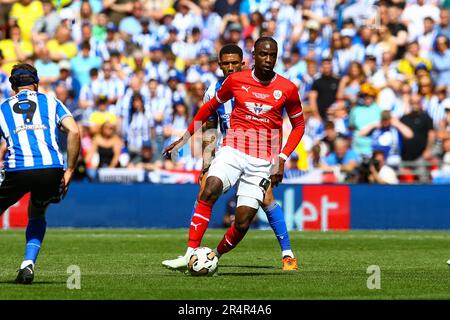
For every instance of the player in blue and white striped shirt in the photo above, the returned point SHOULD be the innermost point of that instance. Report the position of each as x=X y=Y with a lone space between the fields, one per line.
x=231 y=61
x=29 y=123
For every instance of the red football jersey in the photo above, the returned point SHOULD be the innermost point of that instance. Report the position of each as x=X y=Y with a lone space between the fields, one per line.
x=257 y=117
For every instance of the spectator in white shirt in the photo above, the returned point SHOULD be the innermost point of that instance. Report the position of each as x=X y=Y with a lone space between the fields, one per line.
x=110 y=85
x=210 y=21
x=157 y=68
x=138 y=127
x=414 y=14
x=186 y=18
x=159 y=112
x=381 y=173
x=426 y=40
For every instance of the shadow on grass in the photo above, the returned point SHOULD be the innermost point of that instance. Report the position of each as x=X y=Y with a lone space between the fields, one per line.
x=229 y=274
x=249 y=274
x=34 y=283
x=249 y=267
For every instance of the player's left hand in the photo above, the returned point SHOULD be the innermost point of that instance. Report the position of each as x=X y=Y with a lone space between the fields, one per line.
x=277 y=177
x=65 y=181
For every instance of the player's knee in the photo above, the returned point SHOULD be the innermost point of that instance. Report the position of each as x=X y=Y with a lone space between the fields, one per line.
x=246 y=211
x=36 y=210
x=212 y=190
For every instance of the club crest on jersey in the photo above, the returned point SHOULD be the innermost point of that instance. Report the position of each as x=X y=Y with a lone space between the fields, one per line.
x=258 y=108
x=277 y=94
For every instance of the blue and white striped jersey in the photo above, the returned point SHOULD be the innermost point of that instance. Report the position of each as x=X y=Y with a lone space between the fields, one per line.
x=29 y=123
x=223 y=113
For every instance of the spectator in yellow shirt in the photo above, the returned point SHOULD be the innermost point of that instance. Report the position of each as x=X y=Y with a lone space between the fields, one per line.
x=411 y=60
x=101 y=115
x=26 y=12
x=14 y=49
x=62 y=47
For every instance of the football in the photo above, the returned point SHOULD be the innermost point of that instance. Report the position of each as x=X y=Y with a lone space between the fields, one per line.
x=203 y=262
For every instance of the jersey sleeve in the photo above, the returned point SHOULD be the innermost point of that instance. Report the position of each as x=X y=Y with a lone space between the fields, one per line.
x=293 y=105
x=61 y=112
x=225 y=92
x=294 y=110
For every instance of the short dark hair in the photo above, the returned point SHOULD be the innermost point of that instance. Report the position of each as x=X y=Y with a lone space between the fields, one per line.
x=295 y=50
x=329 y=124
x=137 y=96
x=377 y=152
x=93 y=72
x=349 y=21
x=102 y=99
x=195 y=30
x=23 y=74
x=85 y=45
x=231 y=49
x=264 y=39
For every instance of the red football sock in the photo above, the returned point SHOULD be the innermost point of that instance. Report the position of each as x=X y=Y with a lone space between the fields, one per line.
x=199 y=223
x=230 y=240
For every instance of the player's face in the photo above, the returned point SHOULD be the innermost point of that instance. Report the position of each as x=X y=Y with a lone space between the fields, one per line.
x=265 y=56
x=229 y=63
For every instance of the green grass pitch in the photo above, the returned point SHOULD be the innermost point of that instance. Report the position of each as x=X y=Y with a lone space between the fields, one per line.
x=126 y=264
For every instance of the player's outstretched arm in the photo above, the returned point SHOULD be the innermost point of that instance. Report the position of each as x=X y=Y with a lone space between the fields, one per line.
x=200 y=118
x=175 y=146
x=209 y=140
x=69 y=125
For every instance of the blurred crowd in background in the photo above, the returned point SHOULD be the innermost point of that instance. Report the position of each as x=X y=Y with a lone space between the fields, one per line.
x=373 y=76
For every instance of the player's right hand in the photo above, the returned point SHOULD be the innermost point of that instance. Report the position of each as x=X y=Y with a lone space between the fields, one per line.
x=278 y=173
x=172 y=149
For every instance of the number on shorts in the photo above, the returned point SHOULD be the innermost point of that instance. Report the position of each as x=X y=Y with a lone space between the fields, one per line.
x=264 y=184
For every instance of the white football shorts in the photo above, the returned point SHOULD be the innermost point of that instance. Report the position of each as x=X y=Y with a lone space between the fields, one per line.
x=251 y=174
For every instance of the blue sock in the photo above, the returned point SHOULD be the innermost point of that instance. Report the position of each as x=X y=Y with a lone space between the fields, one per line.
x=34 y=236
x=276 y=219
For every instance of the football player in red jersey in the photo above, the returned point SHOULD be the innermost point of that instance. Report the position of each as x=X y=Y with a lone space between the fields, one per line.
x=230 y=61
x=250 y=155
